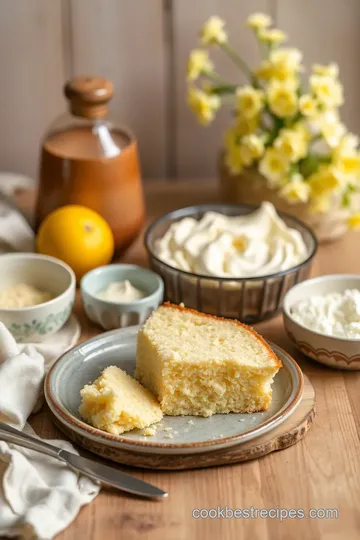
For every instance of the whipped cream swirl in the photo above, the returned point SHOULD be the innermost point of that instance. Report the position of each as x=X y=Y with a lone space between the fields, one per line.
x=256 y=244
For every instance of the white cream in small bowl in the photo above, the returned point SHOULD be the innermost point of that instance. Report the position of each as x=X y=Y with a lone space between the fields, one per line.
x=322 y=318
x=120 y=295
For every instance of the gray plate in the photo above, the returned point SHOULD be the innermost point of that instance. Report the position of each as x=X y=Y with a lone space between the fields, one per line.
x=191 y=434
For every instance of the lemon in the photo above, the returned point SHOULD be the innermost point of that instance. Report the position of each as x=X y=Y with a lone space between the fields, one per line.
x=78 y=236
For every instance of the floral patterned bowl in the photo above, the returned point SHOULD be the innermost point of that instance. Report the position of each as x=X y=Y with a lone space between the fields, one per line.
x=332 y=351
x=34 y=323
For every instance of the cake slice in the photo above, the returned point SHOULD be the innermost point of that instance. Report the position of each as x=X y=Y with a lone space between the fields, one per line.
x=116 y=402
x=198 y=364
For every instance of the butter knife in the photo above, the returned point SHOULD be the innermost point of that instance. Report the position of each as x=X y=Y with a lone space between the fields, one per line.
x=103 y=473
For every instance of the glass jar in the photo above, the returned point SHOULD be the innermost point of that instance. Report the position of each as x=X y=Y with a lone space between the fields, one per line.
x=89 y=160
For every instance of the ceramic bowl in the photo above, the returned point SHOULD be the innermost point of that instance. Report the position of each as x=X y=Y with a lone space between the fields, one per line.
x=332 y=351
x=250 y=299
x=110 y=314
x=34 y=323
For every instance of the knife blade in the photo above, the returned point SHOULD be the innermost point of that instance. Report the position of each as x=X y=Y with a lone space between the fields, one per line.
x=111 y=477
x=103 y=473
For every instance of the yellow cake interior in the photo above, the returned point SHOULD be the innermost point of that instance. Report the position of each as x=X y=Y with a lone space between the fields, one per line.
x=198 y=364
x=116 y=402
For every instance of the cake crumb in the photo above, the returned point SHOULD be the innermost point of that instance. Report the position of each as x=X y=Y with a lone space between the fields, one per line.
x=169 y=436
x=176 y=432
x=242 y=420
x=149 y=431
x=168 y=429
x=191 y=422
x=186 y=430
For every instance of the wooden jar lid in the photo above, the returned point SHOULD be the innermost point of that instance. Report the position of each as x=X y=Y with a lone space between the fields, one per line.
x=89 y=96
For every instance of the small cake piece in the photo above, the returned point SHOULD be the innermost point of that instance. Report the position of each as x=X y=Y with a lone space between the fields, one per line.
x=116 y=402
x=198 y=364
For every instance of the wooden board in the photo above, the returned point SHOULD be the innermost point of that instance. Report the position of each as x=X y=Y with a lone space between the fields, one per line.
x=288 y=433
x=321 y=471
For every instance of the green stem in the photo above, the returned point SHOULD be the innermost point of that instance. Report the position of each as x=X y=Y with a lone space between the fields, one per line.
x=237 y=60
x=217 y=78
x=223 y=89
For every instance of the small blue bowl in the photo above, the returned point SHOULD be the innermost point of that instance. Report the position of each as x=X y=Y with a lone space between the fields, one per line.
x=112 y=315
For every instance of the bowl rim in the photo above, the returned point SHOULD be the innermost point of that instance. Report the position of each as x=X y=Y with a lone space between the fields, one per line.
x=182 y=212
x=39 y=256
x=326 y=277
x=139 y=301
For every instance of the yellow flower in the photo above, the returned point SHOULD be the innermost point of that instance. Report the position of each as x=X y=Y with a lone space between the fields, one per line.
x=198 y=63
x=332 y=70
x=213 y=32
x=204 y=106
x=296 y=190
x=349 y=165
x=308 y=106
x=327 y=90
x=291 y=143
x=347 y=145
x=346 y=158
x=286 y=60
x=302 y=128
x=325 y=180
x=245 y=126
x=232 y=156
x=354 y=221
x=272 y=36
x=320 y=205
x=257 y=21
x=265 y=71
x=251 y=148
x=274 y=166
x=330 y=127
x=249 y=101
x=282 y=99
x=283 y=64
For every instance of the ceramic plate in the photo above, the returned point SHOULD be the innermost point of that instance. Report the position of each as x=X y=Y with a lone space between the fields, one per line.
x=191 y=434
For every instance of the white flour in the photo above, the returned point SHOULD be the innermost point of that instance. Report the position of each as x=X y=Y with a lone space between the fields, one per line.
x=335 y=314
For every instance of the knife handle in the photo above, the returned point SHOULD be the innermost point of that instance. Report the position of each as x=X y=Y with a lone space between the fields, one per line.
x=14 y=436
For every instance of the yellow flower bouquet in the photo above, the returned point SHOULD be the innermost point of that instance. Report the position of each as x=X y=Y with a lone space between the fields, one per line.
x=289 y=131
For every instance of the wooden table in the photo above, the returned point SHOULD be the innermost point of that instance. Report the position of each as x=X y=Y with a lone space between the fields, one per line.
x=321 y=471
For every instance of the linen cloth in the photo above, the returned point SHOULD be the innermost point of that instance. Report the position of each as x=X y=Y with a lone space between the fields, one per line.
x=39 y=495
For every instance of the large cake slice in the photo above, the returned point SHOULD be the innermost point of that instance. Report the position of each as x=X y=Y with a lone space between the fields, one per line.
x=198 y=364
x=116 y=402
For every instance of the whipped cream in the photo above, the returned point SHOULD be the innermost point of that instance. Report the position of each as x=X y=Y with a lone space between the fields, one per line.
x=334 y=314
x=120 y=291
x=256 y=244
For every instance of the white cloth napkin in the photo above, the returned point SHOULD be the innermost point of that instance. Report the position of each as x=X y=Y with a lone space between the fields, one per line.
x=39 y=495
x=15 y=231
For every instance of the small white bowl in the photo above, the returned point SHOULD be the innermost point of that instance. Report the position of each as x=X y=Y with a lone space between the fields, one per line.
x=110 y=314
x=332 y=351
x=35 y=323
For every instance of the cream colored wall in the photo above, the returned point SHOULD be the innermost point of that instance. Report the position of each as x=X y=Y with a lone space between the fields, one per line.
x=142 y=46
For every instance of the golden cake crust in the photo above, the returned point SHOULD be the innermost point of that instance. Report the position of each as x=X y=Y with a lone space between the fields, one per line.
x=249 y=329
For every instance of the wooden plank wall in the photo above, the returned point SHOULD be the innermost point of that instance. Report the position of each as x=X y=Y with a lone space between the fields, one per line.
x=142 y=46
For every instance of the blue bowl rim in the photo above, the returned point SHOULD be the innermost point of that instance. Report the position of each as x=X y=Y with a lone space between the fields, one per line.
x=220 y=207
x=141 y=301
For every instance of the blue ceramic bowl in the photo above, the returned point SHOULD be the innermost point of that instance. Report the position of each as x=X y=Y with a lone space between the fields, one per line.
x=110 y=314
